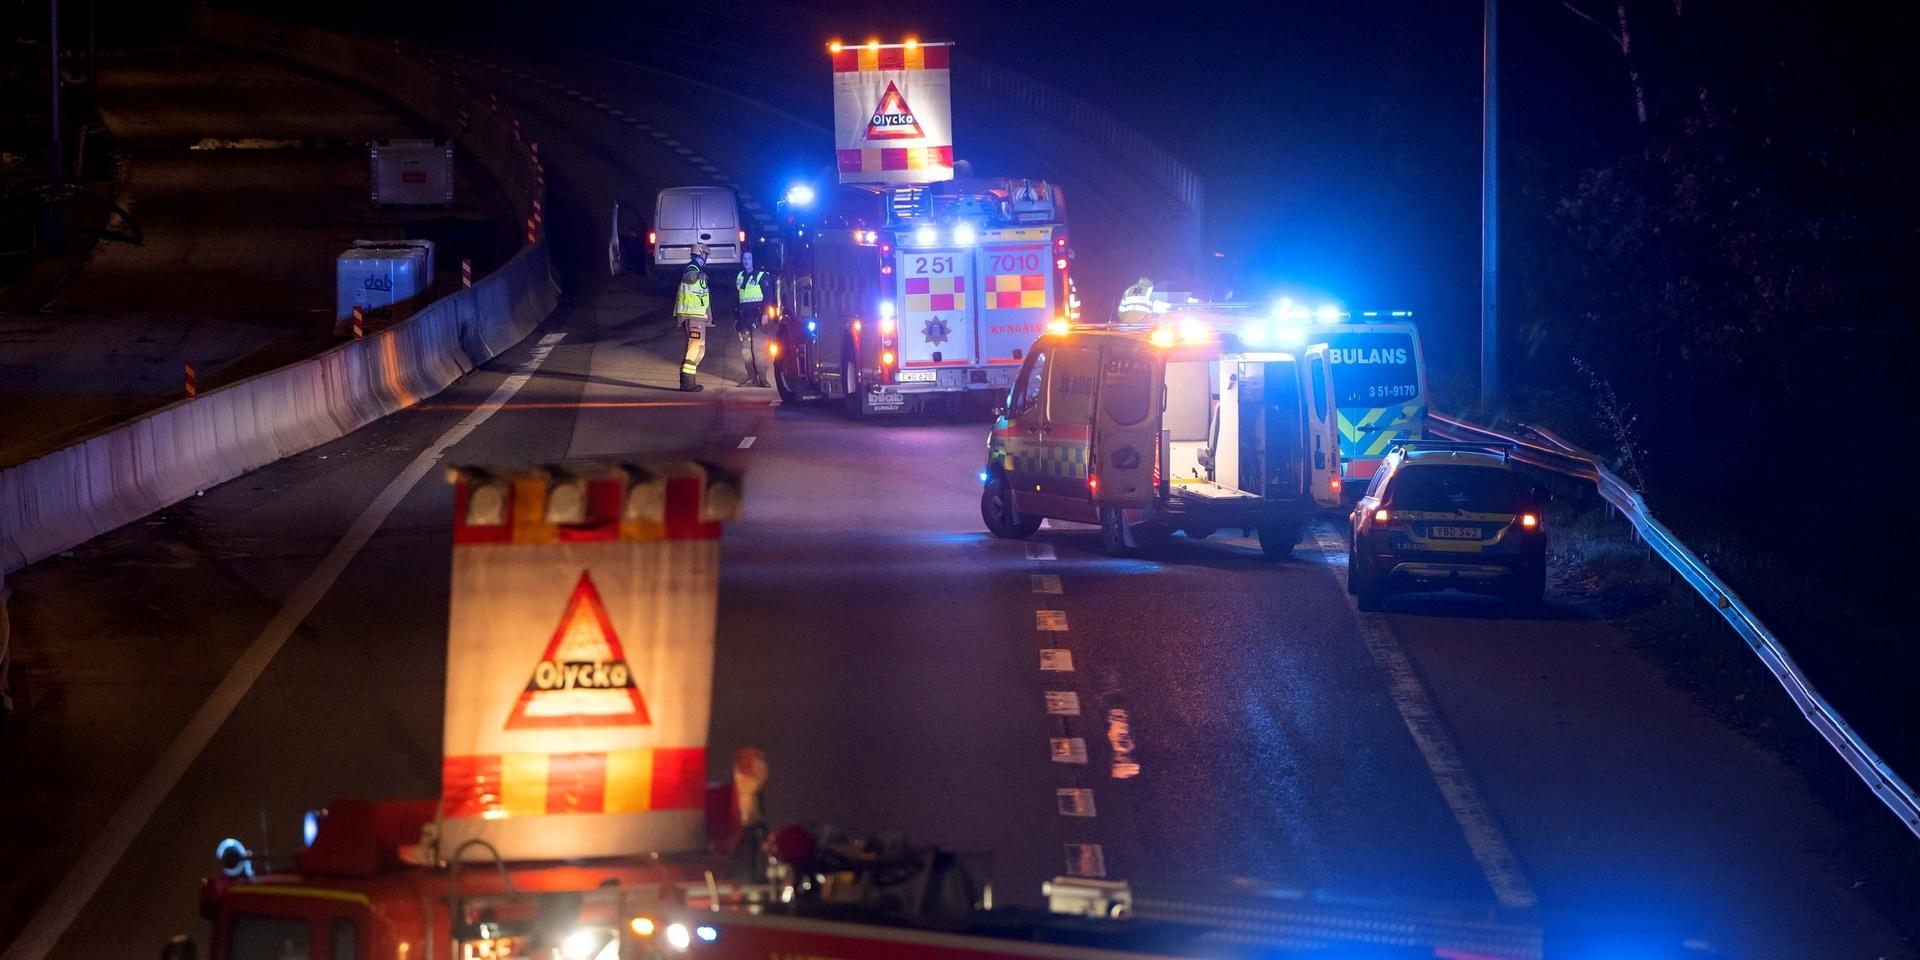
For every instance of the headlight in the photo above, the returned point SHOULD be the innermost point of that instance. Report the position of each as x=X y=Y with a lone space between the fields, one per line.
x=964 y=235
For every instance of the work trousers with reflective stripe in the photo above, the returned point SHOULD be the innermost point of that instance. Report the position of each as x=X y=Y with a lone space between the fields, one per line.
x=696 y=349
x=746 y=321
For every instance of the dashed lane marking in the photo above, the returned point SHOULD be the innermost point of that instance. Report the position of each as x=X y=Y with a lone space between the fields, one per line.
x=1484 y=837
x=1040 y=551
x=1067 y=749
x=746 y=442
x=1074 y=802
x=110 y=844
x=1062 y=703
x=1054 y=621
x=1046 y=583
x=1055 y=660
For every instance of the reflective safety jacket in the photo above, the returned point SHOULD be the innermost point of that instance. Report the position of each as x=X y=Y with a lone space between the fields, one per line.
x=749 y=284
x=1137 y=299
x=691 y=305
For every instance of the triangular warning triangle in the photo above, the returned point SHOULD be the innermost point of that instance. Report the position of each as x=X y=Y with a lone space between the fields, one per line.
x=893 y=119
x=583 y=680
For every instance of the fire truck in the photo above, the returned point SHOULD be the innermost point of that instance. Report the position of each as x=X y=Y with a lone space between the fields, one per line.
x=895 y=298
x=575 y=821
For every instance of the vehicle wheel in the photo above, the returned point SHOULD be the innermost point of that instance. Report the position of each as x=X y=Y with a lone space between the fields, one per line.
x=997 y=509
x=781 y=384
x=1530 y=587
x=1277 y=539
x=1199 y=533
x=1368 y=594
x=1114 y=541
x=856 y=408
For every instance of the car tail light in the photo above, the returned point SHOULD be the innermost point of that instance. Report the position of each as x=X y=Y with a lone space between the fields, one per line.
x=1335 y=484
x=886 y=359
x=652 y=238
x=743 y=236
x=773 y=350
x=1529 y=521
x=1093 y=483
x=1382 y=516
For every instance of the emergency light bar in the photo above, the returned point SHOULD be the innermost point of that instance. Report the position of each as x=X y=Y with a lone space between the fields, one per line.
x=909 y=43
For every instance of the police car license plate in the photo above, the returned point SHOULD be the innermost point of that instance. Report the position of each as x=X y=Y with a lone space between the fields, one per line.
x=1454 y=533
x=916 y=376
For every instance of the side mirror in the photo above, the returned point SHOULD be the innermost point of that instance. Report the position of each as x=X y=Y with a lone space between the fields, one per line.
x=1541 y=495
x=180 y=947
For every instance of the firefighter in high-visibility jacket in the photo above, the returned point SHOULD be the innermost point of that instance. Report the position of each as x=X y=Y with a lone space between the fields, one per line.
x=693 y=311
x=1136 y=305
x=753 y=286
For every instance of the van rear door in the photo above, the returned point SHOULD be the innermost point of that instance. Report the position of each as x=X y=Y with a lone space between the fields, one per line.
x=1126 y=426
x=1016 y=279
x=720 y=225
x=1322 y=429
x=936 y=307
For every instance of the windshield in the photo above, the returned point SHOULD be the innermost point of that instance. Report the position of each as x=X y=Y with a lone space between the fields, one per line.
x=1373 y=369
x=1443 y=488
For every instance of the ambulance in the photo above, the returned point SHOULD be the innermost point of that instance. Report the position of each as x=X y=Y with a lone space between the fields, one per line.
x=894 y=299
x=1379 y=373
x=1179 y=423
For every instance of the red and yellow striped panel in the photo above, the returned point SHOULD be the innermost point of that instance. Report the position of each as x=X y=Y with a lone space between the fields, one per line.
x=919 y=57
x=527 y=522
x=492 y=786
x=879 y=159
x=1014 y=291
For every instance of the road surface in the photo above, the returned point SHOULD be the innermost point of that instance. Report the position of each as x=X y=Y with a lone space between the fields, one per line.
x=1238 y=718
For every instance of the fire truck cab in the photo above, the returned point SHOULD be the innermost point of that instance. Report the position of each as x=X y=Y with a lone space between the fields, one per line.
x=1174 y=424
x=898 y=298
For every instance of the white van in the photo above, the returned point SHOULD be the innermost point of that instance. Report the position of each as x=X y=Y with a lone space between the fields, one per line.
x=684 y=216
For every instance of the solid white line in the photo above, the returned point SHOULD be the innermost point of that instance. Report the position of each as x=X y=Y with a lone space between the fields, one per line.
x=53 y=918
x=746 y=442
x=1484 y=836
x=1040 y=551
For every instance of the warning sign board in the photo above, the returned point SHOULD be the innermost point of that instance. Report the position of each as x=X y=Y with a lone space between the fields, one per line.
x=580 y=662
x=583 y=679
x=893 y=118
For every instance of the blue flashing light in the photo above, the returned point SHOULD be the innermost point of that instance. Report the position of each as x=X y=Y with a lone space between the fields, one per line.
x=1402 y=313
x=964 y=235
x=813 y=327
x=1254 y=332
x=925 y=235
x=310 y=826
x=1291 y=336
x=1369 y=313
x=706 y=933
x=983 y=476
x=1327 y=313
x=800 y=195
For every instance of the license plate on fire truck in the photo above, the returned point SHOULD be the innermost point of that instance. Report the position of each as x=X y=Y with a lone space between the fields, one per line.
x=917 y=376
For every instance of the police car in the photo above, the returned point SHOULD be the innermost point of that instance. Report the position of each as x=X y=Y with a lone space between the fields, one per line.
x=1442 y=515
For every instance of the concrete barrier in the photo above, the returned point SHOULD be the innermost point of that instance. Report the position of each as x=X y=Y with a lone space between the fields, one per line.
x=67 y=497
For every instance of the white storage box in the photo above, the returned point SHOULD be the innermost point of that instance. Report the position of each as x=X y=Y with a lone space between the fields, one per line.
x=377 y=280
x=412 y=173
x=426 y=280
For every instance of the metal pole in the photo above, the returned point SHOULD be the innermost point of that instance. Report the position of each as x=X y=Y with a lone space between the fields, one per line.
x=1490 y=211
x=56 y=155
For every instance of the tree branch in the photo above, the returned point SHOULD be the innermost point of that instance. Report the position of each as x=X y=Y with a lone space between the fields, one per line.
x=1590 y=18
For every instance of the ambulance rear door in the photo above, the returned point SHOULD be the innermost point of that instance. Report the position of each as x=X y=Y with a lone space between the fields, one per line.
x=1014 y=271
x=1126 y=426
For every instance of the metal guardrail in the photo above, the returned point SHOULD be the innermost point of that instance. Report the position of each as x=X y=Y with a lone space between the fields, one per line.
x=1549 y=452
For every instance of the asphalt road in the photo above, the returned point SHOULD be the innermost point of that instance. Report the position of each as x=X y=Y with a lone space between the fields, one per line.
x=1237 y=717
